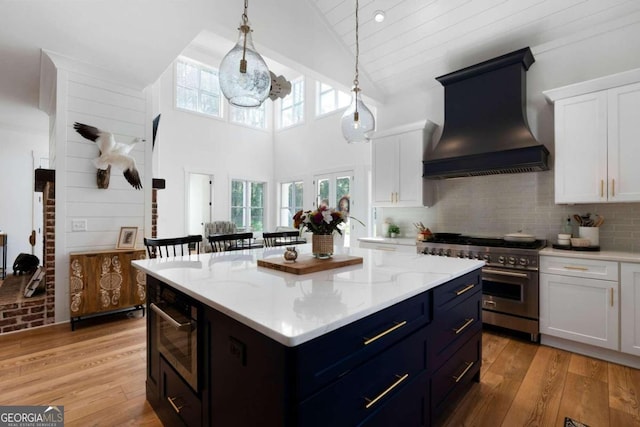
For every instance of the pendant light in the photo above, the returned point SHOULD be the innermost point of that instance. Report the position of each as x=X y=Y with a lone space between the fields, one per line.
x=357 y=121
x=244 y=77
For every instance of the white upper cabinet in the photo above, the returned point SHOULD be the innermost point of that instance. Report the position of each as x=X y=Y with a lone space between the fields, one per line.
x=596 y=140
x=397 y=168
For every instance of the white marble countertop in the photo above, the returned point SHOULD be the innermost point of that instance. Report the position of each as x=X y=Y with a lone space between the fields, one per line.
x=293 y=309
x=599 y=255
x=389 y=240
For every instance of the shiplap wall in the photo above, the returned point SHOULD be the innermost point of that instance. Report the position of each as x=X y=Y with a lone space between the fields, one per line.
x=90 y=96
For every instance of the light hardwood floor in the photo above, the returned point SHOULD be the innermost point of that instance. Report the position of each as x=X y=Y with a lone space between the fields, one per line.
x=98 y=374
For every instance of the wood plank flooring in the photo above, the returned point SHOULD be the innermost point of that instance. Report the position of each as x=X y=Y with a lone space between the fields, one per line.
x=98 y=374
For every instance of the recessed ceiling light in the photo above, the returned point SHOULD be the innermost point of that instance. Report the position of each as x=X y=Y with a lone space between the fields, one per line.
x=378 y=15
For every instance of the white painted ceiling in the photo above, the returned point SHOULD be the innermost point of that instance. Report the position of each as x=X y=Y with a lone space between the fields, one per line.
x=418 y=41
x=422 y=39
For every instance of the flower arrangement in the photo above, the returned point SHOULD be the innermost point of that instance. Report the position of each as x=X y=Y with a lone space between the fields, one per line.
x=324 y=220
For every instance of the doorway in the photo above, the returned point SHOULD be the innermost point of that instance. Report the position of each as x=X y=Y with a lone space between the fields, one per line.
x=200 y=203
x=334 y=190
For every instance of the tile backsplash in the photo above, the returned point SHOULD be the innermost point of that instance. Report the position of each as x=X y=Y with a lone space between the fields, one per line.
x=499 y=204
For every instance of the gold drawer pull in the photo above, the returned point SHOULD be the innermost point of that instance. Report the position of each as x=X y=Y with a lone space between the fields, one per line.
x=368 y=341
x=465 y=289
x=175 y=407
x=371 y=402
x=459 y=377
x=611 y=296
x=602 y=188
x=463 y=327
x=613 y=188
x=571 y=267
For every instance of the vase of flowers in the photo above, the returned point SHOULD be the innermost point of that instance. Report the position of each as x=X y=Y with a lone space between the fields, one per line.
x=322 y=222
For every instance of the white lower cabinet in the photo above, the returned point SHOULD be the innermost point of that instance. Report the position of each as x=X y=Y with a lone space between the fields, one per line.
x=576 y=306
x=630 y=308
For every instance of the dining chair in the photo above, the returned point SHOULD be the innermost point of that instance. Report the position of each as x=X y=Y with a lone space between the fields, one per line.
x=173 y=246
x=231 y=241
x=282 y=238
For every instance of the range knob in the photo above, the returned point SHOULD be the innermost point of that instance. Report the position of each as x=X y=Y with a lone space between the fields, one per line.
x=486 y=257
x=512 y=260
x=433 y=252
x=523 y=261
x=460 y=254
x=447 y=253
x=501 y=259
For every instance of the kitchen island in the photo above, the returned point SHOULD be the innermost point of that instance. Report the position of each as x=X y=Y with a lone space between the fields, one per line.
x=391 y=340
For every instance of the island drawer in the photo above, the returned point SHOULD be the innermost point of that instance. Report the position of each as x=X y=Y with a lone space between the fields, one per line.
x=460 y=369
x=368 y=389
x=179 y=396
x=457 y=290
x=451 y=329
x=333 y=355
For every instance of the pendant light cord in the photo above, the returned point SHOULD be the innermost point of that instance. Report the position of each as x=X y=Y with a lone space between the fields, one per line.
x=356 y=89
x=244 y=28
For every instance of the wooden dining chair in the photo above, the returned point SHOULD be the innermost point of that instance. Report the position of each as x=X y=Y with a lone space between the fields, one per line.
x=281 y=238
x=231 y=241
x=173 y=246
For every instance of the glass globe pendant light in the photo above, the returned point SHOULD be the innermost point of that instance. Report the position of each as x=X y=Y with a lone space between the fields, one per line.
x=244 y=77
x=357 y=121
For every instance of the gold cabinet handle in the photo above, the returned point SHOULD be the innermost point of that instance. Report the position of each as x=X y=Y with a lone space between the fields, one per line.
x=465 y=289
x=175 y=407
x=459 y=377
x=392 y=197
x=463 y=327
x=602 y=188
x=571 y=267
x=611 y=296
x=371 y=402
x=368 y=341
x=613 y=188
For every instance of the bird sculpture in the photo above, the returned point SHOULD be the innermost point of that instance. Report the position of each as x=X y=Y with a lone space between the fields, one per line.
x=112 y=152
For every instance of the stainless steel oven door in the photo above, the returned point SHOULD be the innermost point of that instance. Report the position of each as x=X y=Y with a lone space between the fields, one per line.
x=177 y=339
x=510 y=291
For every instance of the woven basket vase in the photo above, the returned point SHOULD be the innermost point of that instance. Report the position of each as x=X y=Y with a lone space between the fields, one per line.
x=322 y=245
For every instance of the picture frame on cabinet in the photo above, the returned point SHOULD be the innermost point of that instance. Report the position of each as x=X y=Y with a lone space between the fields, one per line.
x=127 y=238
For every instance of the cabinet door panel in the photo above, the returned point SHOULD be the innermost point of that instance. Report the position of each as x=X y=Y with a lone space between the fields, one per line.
x=578 y=309
x=630 y=308
x=581 y=149
x=385 y=160
x=410 y=169
x=623 y=146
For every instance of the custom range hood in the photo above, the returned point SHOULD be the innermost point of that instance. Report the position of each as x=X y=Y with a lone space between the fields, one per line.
x=485 y=123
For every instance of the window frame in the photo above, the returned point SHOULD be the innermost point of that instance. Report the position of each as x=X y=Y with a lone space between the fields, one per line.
x=336 y=99
x=246 y=206
x=299 y=103
x=265 y=112
x=201 y=67
x=282 y=208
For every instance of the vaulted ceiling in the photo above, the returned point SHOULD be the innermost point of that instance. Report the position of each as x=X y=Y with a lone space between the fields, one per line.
x=418 y=41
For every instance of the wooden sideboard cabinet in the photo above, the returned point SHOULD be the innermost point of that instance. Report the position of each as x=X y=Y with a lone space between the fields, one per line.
x=102 y=282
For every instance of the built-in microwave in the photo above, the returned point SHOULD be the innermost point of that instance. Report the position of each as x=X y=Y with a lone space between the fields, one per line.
x=176 y=329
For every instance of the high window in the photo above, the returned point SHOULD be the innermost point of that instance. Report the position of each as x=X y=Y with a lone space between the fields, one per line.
x=291 y=201
x=247 y=204
x=329 y=99
x=197 y=88
x=292 y=105
x=252 y=117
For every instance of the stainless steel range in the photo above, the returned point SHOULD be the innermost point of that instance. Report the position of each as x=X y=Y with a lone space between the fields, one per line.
x=509 y=277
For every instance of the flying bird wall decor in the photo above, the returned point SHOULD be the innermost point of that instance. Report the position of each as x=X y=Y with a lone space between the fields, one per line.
x=112 y=153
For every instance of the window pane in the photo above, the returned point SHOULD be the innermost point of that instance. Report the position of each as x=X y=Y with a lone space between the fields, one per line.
x=299 y=194
x=237 y=217
x=209 y=104
x=256 y=219
x=209 y=81
x=237 y=193
x=187 y=98
x=323 y=192
x=191 y=76
x=327 y=102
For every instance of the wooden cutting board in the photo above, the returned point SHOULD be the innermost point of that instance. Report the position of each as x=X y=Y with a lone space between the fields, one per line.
x=308 y=264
